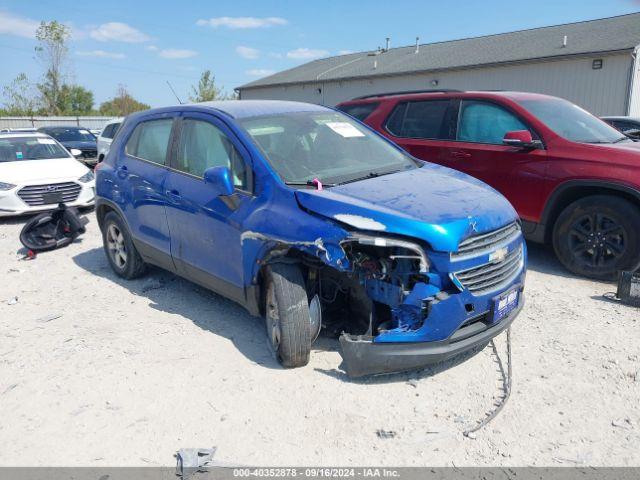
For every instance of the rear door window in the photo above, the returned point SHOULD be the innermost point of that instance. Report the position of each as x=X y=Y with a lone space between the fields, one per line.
x=428 y=119
x=485 y=122
x=150 y=140
x=361 y=111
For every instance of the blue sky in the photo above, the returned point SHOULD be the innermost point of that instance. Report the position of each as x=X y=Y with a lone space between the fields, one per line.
x=142 y=44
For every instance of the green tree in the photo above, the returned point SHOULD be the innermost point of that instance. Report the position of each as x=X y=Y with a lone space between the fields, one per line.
x=122 y=104
x=206 y=89
x=75 y=100
x=52 y=50
x=20 y=98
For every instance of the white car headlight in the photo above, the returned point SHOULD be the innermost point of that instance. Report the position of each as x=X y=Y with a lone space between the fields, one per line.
x=87 y=177
x=6 y=186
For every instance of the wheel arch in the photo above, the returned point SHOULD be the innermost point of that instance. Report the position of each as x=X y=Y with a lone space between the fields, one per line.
x=573 y=190
x=104 y=206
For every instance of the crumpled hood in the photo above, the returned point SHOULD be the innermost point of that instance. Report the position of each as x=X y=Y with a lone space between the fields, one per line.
x=433 y=203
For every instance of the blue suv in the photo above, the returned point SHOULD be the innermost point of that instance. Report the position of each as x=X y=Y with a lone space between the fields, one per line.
x=308 y=218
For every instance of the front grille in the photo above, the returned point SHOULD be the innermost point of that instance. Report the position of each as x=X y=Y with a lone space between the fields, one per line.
x=34 y=195
x=493 y=275
x=479 y=244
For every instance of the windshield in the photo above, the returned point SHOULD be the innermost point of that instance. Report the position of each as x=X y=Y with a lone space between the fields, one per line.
x=572 y=122
x=71 y=135
x=16 y=149
x=328 y=146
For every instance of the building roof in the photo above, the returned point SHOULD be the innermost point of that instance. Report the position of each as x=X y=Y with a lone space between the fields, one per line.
x=593 y=36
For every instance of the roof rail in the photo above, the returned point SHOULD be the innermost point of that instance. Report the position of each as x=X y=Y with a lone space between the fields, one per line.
x=408 y=92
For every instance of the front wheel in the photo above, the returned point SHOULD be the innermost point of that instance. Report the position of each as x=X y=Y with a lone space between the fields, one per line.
x=118 y=245
x=598 y=236
x=287 y=319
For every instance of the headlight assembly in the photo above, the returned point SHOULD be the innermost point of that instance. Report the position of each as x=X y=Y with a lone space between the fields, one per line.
x=6 y=186
x=87 y=177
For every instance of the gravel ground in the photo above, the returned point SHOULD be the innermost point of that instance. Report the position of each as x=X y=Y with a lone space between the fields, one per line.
x=129 y=372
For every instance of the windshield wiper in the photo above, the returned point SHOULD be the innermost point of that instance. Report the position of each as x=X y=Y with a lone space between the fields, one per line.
x=369 y=175
x=621 y=139
x=309 y=183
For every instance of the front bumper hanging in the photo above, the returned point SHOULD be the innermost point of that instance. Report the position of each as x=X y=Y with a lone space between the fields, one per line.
x=362 y=356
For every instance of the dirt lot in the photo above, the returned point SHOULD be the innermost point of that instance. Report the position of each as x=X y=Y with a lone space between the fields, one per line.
x=132 y=371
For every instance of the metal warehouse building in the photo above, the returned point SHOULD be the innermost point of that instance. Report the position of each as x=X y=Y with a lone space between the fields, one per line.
x=594 y=64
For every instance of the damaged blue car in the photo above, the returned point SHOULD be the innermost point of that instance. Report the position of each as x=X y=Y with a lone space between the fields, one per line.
x=314 y=222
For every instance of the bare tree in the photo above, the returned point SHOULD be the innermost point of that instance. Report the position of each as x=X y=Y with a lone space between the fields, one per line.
x=53 y=51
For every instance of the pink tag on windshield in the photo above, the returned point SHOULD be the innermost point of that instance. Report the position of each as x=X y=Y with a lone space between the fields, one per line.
x=318 y=183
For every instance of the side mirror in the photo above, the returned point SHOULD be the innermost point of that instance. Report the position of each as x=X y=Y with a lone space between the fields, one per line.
x=75 y=152
x=220 y=180
x=521 y=139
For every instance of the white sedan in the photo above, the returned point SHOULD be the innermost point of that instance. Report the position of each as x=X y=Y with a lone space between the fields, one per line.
x=37 y=173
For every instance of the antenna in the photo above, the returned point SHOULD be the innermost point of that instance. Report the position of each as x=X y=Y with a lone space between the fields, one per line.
x=174 y=92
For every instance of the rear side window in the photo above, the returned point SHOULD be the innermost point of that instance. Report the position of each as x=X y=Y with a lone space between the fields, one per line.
x=110 y=130
x=424 y=119
x=107 y=132
x=361 y=111
x=202 y=146
x=484 y=122
x=150 y=140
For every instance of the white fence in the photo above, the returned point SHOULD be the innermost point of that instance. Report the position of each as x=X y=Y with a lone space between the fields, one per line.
x=36 y=122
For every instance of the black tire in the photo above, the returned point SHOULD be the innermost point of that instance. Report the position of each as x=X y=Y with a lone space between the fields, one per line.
x=287 y=315
x=130 y=265
x=598 y=236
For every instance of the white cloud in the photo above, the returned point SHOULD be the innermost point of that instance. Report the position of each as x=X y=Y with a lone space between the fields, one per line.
x=101 y=54
x=344 y=52
x=242 y=22
x=151 y=48
x=174 y=53
x=15 y=25
x=118 y=32
x=247 y=52
x=260 y=72
x=306 y=54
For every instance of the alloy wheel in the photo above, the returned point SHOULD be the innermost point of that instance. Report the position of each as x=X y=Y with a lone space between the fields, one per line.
x=116 y=246
x=597 y=240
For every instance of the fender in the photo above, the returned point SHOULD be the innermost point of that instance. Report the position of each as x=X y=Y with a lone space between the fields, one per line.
x=538 y=232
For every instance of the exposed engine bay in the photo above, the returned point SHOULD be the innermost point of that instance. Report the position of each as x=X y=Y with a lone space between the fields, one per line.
x=387 y=287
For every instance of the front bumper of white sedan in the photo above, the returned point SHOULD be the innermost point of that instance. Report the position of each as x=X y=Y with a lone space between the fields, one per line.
x=37 y=197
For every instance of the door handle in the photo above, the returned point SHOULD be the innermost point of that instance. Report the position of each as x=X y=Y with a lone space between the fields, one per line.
x=174 y=195
x=460 y=154
x=123 y=171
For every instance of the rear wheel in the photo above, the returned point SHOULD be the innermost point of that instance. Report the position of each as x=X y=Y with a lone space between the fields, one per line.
x=598 y=236
x=287 y=319
x=118 y=245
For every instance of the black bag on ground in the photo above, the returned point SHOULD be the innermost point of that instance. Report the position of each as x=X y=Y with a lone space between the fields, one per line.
x=54 y=229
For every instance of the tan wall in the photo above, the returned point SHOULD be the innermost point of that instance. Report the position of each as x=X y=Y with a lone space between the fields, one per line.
x=603 y=92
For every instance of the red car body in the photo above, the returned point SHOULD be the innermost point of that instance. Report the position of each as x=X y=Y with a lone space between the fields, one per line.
x=540 y=179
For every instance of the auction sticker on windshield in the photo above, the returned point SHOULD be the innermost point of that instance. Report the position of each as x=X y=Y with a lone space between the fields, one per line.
x=345 y=129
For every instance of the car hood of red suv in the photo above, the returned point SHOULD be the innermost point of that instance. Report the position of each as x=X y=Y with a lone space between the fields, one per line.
x=433 y=203
x=627 y=153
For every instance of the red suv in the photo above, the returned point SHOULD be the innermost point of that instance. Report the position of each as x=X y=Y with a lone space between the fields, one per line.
x=574 y=180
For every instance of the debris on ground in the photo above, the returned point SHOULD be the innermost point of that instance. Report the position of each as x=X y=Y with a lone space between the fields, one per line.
x=12 y=301
x=192 y=460
x=48 y=318
x=386 y=433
